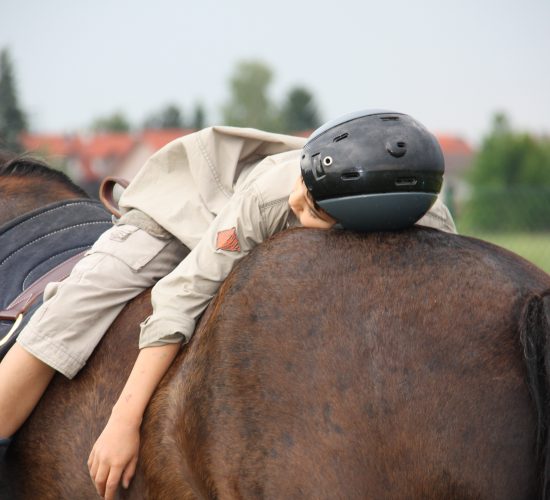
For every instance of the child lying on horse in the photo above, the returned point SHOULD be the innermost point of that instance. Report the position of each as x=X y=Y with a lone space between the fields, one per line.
x=194 y=210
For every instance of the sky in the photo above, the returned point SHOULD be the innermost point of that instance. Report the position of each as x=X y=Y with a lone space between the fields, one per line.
x=449 y=64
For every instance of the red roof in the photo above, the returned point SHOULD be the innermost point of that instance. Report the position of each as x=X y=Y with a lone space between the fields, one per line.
x=452 y=145
x=119 y=144
x=114 y=147
x=108 y=145
x=157 y=139
x=51 y=144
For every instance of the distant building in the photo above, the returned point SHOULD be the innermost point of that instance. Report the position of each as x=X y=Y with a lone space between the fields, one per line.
x=87 y=159
x=459 y=156
x=101 y=153
x=58 y=149
x=147 y=143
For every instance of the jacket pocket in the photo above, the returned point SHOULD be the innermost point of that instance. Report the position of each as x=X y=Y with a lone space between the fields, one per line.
x=130 y=244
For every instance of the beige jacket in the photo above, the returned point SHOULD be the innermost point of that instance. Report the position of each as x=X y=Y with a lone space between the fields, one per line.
x=220 y=191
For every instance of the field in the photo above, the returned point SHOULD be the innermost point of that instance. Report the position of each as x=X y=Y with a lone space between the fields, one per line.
x=534 y=247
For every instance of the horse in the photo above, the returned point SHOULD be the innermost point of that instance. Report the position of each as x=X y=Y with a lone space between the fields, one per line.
x=331 y=364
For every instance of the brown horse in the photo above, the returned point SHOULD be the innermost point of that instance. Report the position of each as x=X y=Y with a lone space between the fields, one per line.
x=330 y=365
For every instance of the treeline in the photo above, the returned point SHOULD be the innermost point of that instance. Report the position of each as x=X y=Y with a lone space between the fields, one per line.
x=249 y=105
x=13 y=120
x=509 y=181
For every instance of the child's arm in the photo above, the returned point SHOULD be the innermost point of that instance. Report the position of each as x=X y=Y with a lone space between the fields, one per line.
x=182 y=295
x=115 y=452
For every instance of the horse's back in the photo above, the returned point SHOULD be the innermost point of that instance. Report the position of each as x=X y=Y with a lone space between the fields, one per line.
x=331 y=365
x=379 y=366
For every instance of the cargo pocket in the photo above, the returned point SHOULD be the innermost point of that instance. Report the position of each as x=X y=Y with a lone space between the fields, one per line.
x=130 y=244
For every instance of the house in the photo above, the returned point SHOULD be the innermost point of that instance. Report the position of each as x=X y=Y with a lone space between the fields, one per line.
x=87 y=159
x=459 y=157
x=60 y=150
x=146 y=144
x=101 y=153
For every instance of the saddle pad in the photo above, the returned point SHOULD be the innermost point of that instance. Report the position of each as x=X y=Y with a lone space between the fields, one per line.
x=38 y=241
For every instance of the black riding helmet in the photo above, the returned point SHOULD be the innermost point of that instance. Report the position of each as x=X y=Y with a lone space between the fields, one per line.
x=373 y=170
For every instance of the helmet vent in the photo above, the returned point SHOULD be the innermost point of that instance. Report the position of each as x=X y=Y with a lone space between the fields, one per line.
x=327 y=161
x=406 y=181
x=350 y=176
x=389 y=118
x=340 y=137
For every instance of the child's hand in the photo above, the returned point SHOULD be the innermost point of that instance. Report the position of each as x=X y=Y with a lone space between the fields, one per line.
x=114 y=455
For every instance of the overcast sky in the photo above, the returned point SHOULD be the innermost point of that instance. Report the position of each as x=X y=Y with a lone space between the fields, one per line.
x=450 y=64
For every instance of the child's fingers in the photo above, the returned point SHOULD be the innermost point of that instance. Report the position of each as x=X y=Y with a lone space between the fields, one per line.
x=112 y=482
x=93 y=464
x=91 y=460
x=100 y=479
x=129 y=472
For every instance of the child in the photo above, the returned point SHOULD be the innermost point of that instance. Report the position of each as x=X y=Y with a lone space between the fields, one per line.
x=218 y=192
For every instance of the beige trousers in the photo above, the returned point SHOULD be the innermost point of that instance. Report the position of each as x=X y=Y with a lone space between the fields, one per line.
x=77 y=312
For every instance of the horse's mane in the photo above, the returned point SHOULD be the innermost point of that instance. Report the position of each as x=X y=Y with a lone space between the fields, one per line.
x=25 y=165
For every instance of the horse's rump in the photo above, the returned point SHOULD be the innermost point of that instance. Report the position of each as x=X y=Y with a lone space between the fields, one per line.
x=341 y=365
x=331 y=365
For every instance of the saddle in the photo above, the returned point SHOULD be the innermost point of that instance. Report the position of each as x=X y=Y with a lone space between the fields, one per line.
x=40 y=247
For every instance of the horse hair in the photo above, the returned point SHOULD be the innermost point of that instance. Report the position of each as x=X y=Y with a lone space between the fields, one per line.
x=412 y=380
x=535 y=336
x=25 y=165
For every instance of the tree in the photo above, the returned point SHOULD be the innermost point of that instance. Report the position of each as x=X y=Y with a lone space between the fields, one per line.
x=250 y=104
x=510 y=181
x=510 y=159
x=198 y=117
x=168 y=117
x=299 y=111
x=12 y=119
x=116 y=122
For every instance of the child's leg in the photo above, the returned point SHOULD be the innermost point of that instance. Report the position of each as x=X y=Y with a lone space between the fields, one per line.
x=23 y=379
x=77 y=312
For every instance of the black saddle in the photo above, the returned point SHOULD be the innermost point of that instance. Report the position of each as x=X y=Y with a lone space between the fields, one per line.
x=39 y=247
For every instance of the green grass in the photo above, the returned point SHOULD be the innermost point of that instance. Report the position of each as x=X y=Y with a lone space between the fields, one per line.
x=534 y=247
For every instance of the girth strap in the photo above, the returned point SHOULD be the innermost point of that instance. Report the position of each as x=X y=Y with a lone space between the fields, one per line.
x=26 y=298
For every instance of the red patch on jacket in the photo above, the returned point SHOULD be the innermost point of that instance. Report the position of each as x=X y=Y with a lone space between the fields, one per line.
x=227 y=240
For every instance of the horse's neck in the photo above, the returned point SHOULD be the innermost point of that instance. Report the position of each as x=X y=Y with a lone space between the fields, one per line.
x=19 y=196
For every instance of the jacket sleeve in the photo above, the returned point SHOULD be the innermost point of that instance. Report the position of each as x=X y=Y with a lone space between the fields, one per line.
x=439 y=217
x=181 y=296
